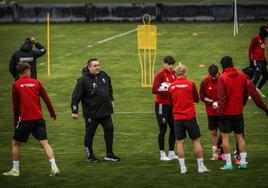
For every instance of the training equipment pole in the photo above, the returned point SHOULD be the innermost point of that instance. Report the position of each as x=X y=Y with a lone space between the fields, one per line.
x=235 y=18
x=48 y=44
x=147 y=44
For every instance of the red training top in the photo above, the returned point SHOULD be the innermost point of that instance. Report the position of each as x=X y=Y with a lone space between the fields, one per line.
x=26 y=93
x=208 y=94
x=256 y=49
x=183 y=94
x=162 y=76
x=232 y=92
x=252 y=91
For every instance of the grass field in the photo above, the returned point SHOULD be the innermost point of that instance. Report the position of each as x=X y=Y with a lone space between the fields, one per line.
x=134 y=120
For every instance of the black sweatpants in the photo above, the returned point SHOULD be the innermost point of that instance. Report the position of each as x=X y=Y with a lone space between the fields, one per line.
x=260 y=69
x=91 y=127
x=164 y=117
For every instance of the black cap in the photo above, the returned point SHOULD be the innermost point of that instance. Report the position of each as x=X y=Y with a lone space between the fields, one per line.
x=226 y=62
x=28 y=41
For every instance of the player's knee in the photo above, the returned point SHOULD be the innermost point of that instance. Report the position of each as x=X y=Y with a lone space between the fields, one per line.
x=240 y=138
x=44 y=143
x=214 y=133
x=180 y=141
x=266 y=76
x=109 y=129
x=15 y=143
x=197 y=140
x=163 y=131
x=257 y=74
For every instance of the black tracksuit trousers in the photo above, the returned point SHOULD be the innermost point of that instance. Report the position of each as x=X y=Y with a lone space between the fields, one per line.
x=91 y=127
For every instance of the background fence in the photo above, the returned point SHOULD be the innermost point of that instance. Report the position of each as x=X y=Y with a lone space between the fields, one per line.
x=31 y=13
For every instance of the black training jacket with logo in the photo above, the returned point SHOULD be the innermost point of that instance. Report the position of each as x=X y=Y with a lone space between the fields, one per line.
x=95 y=94
x=28 y=55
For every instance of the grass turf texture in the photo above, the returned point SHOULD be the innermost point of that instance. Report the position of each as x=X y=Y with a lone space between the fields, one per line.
x=136 y=132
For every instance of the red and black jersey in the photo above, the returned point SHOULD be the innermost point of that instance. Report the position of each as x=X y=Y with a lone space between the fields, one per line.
x=162 y=76
x=26 y=93
x=256 y=49
x=208 y=94
x=183 y=94
x=252 y=91
x=232 y=92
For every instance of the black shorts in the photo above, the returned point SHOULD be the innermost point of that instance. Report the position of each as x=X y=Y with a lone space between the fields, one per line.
x=35 y=127
x=213 y=122
x=191 y=126
x=229 y=123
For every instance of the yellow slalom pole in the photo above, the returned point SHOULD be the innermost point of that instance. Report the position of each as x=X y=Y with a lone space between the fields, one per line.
x=139 y=52
x=153 y=64
x=48 y=44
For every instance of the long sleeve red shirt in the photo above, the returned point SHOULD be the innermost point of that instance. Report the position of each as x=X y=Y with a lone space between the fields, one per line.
x=183 y=94
x=26 y=93
x=252 y=91
x=208 y=94
x=162 y=76
x=256 y=50
x=232 y=92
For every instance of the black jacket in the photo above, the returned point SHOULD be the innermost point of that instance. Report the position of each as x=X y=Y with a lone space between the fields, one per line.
x=96 y=94
x=28 y=55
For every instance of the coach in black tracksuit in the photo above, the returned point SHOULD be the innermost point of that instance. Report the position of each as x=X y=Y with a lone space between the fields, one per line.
x=26 y=54
x=95 y=91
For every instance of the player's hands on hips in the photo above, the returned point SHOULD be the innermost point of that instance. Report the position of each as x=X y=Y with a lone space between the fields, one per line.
x=74 y=116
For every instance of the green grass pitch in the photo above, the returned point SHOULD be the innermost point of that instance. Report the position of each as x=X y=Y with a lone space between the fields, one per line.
x=135 y=139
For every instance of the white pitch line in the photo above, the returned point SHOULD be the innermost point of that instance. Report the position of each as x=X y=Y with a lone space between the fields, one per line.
x=111 y=38
x=117 y=36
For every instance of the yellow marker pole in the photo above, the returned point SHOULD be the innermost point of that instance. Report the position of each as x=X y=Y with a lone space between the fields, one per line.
x=144 y=68
x=48 y=44
x=147 y=44
x=142 y=81
x=150 y=59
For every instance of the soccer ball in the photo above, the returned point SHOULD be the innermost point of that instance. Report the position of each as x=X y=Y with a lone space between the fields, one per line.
x=164 y=86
